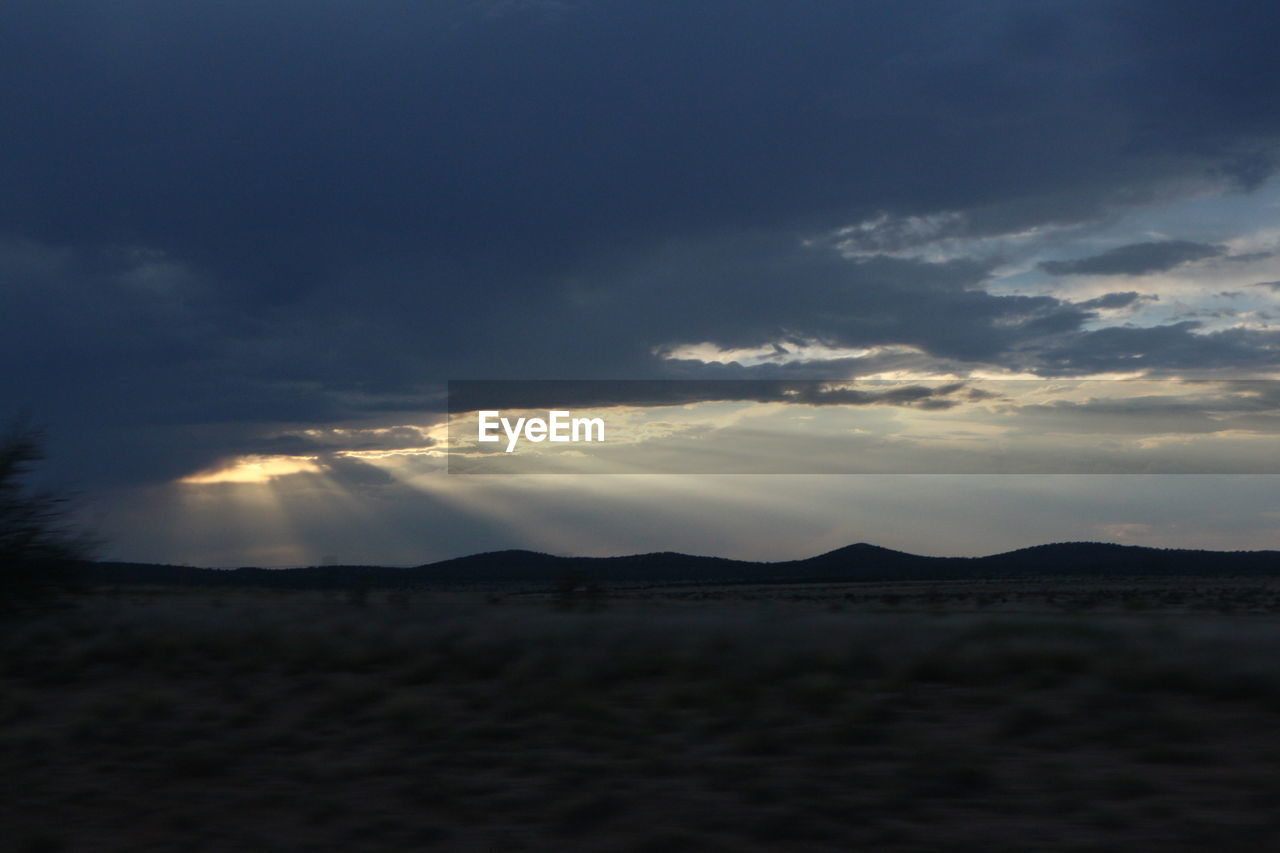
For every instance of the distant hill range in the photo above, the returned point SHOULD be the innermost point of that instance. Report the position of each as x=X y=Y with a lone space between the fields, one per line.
x=861 y=562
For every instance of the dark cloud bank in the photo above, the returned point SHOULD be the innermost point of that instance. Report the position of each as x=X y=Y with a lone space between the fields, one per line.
x=1136 y=259
x=224 y=221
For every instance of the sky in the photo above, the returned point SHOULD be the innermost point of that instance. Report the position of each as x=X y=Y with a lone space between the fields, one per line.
x=244 y=246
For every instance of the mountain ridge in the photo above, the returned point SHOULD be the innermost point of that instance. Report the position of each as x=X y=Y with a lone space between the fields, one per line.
x=857 y=562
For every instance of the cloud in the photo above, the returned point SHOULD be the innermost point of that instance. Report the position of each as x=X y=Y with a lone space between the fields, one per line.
x=1164 y=349
x=397 y=132
x=1136 y=259
x=354 y=473
x=1112 y=301
x=557 y=394
x=1249 y=257
x=1235 y=409
x=325 y=439
x=228 y=225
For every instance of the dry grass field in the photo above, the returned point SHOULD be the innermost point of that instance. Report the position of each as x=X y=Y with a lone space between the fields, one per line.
x=1058 y=715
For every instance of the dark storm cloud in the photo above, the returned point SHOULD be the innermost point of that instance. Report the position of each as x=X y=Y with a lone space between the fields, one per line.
x=235 y=218
x=552 y=394
x=291 y=139
x=1136 y=259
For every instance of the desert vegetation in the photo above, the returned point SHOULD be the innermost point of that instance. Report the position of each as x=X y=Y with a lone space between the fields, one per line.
x=151 y=718
x=40 y=546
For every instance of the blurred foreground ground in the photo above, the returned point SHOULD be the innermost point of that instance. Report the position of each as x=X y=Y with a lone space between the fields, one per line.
x=1057 y=715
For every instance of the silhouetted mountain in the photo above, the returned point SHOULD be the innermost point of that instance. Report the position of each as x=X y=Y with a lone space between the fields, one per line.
x=866 y=562
x=860 y=562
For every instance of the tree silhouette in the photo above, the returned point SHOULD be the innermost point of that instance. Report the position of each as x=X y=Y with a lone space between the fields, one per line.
x=39 y=546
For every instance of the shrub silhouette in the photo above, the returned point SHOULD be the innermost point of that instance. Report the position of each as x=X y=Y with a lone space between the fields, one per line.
x=39 y=547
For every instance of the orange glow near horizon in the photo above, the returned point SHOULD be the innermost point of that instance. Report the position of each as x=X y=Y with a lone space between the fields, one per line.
x=254 y=469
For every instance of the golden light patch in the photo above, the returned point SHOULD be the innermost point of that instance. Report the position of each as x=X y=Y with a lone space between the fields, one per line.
x=255 y=469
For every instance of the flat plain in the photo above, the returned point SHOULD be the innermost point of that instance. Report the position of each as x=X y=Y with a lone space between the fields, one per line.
x=1056 y=714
